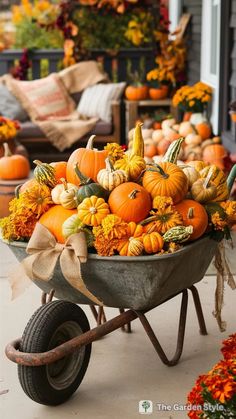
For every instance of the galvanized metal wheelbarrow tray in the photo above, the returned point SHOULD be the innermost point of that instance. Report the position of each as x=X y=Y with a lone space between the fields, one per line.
x=140 y=282
x=135 y=285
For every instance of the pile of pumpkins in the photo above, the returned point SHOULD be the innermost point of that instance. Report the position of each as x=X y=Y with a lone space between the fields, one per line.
x=89 y=187
x=197 y=145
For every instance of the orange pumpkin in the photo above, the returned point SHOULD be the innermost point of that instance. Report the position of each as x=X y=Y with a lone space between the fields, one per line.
x=60 y=170
x=204 y=130
x=194 y=214
x=134 y=231
x=130 y=201
x=54 y=218
x=13 y=166
x=166 y=179
x=214 y=154
x=150 y=149
x=157 y=93
x=152 y=242
x=27 y=185
x=163 y=146
x=89 y=162
x=136 y=92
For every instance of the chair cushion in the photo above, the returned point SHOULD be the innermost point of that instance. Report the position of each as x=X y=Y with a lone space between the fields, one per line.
x=96 y=100
x=30 y=130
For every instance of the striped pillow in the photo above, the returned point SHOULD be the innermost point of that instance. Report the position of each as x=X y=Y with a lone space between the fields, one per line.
x=43 y=99
x=96 y=100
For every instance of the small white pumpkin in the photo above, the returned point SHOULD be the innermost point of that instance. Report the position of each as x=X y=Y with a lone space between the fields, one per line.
x=193 y=139
x=157 y=135
x=191 y=174
x=109 y=178
x=68 y=198
x=168 y=123
x=58 y=189
x=197 y=118
x=186 y=128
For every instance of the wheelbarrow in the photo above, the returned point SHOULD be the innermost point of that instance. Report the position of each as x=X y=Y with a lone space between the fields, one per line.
x=54 y=351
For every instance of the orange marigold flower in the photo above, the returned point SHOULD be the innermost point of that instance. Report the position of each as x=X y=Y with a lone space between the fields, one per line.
x=217 y=221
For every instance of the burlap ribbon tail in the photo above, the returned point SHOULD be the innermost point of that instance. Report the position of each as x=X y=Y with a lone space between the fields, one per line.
x=223 y=275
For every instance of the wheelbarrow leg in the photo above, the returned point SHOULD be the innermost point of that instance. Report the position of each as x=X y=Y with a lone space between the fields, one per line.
x=127 y=327
x=47 y=297
x=99 y=314
x=198 y=308
x=180 y=340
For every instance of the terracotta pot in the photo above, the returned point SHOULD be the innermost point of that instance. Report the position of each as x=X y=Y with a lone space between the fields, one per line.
x=187 y=116
x=158 y=93
x=233 y=116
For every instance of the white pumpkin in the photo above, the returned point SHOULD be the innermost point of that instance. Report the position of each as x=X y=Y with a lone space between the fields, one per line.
x=191 y=174
x=186 y=128
x=167 y=123
x=147 y=133
x=157 y=135
x=109 y=178
x=193 y=139
x=59 y=189
x=197 y=118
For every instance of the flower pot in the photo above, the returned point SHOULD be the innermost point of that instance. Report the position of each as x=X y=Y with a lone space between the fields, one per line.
x=233 y=116
x=158 y=93
x=187 y=116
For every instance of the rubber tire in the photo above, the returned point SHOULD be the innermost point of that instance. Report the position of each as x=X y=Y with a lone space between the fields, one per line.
x=40 y=329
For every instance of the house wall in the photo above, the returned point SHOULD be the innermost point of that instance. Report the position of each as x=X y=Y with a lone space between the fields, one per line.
x=194 y=7
x=228 y=74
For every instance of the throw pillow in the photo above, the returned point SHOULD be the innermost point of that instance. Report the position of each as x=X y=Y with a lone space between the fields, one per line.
x=43 y=99
x=10 y=107
x=96 y=100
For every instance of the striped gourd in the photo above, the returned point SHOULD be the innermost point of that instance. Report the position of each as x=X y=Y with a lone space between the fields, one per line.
x=44 y=173
x=173 y=151
x=178 y=234
x=218 y=177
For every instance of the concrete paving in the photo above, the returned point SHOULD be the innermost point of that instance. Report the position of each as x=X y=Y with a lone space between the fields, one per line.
x=123 y=369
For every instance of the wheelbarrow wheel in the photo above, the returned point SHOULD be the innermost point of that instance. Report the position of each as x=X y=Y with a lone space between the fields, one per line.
x=51 y=325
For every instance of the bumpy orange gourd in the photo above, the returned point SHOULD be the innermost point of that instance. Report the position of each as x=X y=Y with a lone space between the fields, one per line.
x=130 y=201
x=89 y=162
x=193 y=214
x=166 y=179
x=127 y=245
x=92 y=210
x=13 y=166
x=54 y=218
x=152 y=242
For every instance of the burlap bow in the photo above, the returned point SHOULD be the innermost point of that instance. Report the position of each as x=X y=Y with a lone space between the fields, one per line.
x=44 y=252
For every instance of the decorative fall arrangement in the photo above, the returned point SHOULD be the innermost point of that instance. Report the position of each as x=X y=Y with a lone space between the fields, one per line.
x=124 y=205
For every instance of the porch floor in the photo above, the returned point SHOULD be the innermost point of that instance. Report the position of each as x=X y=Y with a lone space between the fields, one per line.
x=123 y=369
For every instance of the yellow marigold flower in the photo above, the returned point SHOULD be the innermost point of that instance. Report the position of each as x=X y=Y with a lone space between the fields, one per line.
x=192 y=103
x=161 y=202
x=115 y=151
x=113 y=227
